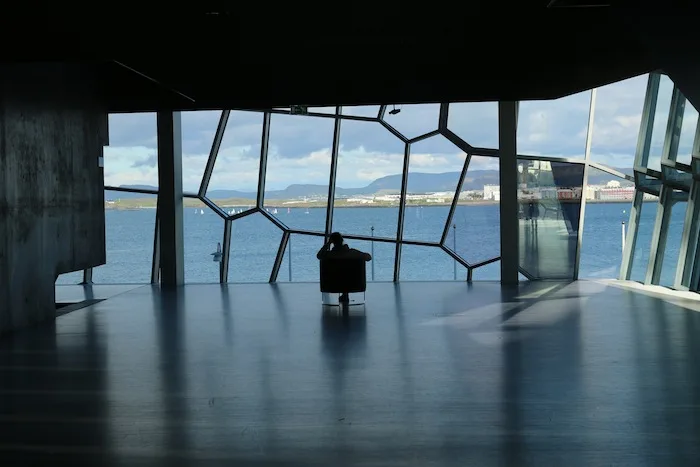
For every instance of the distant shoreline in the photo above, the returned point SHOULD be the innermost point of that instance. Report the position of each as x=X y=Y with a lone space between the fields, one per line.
x=150 y=203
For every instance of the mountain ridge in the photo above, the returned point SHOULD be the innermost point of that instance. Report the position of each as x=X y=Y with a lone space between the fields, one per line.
x=418 y=182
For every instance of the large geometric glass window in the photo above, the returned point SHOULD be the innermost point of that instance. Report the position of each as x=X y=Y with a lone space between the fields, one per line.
x=368 y=180
x=198 y=129
x=298 y=170
x=203 y=233
x=131 y=159
x=413 y=120
x=476 y=221
x=254 y=241
x=427 y=263
x=554 y=128
x=658 y=135
x=129 y=222
x=608 y=206
x=475 y=122
x=234 y=181
x=433 y=174
x=640 y=258
x=618 y=111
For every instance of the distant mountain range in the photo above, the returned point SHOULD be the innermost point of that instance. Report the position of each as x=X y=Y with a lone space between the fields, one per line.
x=417 y=183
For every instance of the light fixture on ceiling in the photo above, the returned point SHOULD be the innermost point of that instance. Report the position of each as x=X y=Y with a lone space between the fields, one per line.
x=394 y=111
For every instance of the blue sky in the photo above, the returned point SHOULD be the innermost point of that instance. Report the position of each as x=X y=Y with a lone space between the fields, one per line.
x=300 y=145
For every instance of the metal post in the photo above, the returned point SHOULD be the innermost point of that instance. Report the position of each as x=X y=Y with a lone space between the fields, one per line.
x=225 y=257
x=155 y=261
x=659 y=236
x=372 y=253
x=508 y=179
x=87 y=277
x=402 y=210
x=289 y=256
x=623 y=236
x=454 y=248
x=333 y=172
x=170 y=204
x=631 y=237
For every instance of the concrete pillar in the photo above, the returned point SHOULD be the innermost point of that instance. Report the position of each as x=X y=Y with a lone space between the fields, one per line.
x=508 y=175
x=52 y=134
x=170 y=201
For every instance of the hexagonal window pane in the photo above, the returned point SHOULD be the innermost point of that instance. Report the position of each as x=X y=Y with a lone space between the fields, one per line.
x=618 y=111
x=554 y=128
x=129 y=228
x=131 y=159
x=476 y=224
x=254 y=244
x=198 y=130
x=428 y=263
x=433 y=173
x=361 y=110
x=475 y=122
x=298 y=169
x=413 y=120
x=368 y=180
x=234 y=180
x=658 y=133
x=203 y=232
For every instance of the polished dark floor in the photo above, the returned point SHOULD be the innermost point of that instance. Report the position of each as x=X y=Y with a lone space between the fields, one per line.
x=425 y=374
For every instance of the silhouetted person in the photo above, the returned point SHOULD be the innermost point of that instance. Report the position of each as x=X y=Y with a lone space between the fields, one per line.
x=340 y=250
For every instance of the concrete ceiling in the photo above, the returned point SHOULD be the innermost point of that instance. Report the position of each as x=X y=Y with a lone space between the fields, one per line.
x=261 y=56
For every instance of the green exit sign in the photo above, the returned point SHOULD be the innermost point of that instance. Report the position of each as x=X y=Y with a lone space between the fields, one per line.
x=300 y=109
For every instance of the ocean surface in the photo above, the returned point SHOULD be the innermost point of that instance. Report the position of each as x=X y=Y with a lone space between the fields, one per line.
x=474 y=235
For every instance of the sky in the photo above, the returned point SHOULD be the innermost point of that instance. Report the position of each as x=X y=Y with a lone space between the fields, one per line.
x=300 y=146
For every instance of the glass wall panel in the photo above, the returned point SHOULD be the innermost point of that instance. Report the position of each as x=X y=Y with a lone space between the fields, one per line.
x=663 y=106
x=673 y=243
x=475 y=122
x=203 y=231
x=554 y=128
x=475 y=230
x=361 y=110
x=433 y=173
x=618 y=111
x=608 y=204
x=198 y=130
x=298 y=169
x=234 y=180
x=550 y=202
x=368 y=180
x=640 y=258
x=129 y=229
x=254 y=244
x=131 y=159
x=685 y=143
x=427 y=263
x=413 y=120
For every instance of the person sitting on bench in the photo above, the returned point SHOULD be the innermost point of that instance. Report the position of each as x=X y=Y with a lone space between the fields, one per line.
x=340 y=250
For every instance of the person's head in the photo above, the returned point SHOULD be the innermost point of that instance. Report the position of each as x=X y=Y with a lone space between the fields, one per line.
x=336 y=239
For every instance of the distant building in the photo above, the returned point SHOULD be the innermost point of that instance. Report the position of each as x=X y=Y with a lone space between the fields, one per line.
x=615 y=194
x=492 y=192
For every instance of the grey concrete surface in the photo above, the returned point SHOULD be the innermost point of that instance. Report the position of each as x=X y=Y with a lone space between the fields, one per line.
x=52 y=134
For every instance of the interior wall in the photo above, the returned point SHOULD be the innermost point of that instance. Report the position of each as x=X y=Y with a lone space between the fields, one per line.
x=52 y=134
